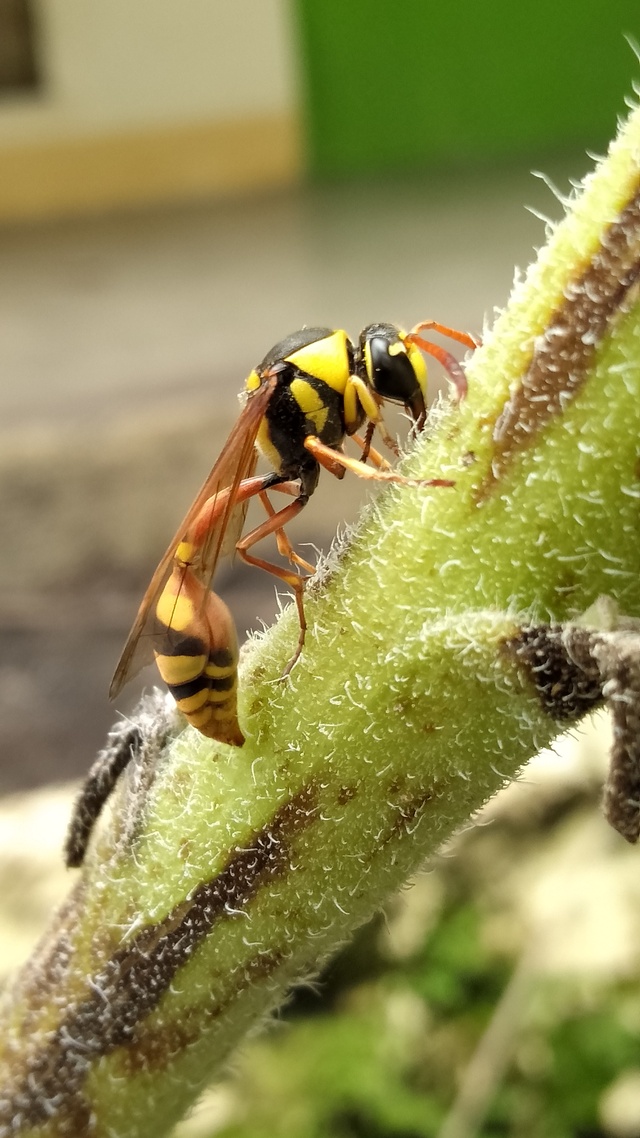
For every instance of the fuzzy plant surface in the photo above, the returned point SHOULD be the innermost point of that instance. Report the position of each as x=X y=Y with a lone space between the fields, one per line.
x=224 y=875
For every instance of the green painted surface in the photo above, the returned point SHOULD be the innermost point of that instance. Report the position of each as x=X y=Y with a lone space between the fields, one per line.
x=418 y=84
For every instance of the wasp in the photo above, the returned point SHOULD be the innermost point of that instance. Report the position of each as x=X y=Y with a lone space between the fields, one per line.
x=312 y=390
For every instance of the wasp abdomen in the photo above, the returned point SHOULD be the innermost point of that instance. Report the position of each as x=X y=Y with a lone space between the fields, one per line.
x=197 y=655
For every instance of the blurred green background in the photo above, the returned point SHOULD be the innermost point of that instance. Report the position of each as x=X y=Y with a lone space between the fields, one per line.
x=417 y=85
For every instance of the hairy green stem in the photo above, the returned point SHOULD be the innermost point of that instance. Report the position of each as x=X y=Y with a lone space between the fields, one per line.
x=224 y=874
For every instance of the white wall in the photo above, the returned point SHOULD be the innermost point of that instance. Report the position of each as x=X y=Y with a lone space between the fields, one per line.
x=117 y=65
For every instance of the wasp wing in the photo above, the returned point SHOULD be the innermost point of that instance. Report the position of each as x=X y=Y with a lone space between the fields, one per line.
x=236 y=461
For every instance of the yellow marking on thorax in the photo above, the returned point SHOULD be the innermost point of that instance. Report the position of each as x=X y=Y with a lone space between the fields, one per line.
x=266 y=447
x=326 y=359
x=263 y=439
x=310 y=403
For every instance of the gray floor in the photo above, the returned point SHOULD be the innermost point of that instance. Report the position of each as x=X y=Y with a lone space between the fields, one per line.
x=124 y=342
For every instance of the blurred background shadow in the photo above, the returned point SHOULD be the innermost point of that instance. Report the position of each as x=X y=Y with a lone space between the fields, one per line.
x=183 y=185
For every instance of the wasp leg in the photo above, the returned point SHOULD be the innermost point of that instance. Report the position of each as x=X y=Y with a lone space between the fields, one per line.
x=368 y=451
x=449 y=362
x=465 y=338
x=226 y=500
x=276 y=522
x=328 y=457
x=249 y=488
x=285 y=548
x=361 y=393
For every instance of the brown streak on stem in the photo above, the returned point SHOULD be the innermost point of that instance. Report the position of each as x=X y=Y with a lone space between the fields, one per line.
x=563 y=353
x=156 y=1048
x=133 y=981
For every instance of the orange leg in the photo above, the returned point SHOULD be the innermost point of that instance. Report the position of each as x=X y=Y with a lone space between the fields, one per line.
x=275 y=523
x=215 y=507
x=365 y=443
x=371 y=404
x=367 y=450
x=465 y=338
x=449 y=362
x=285 y=548
x=207 y=527
x=329 y=458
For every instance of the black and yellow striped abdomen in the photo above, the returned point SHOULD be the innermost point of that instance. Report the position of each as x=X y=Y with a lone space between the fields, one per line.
x=197 y=655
